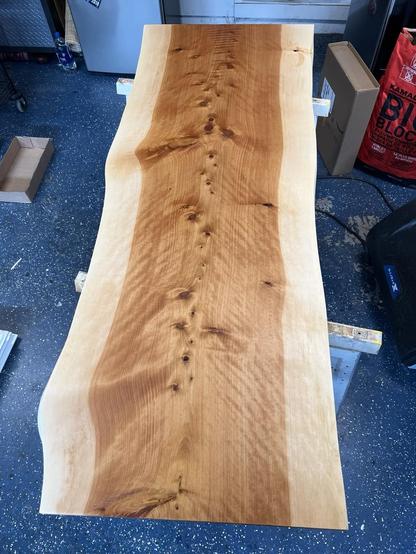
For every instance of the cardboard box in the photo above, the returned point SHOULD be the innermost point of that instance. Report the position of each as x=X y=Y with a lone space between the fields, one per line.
x=22 y=168
x=352 y=90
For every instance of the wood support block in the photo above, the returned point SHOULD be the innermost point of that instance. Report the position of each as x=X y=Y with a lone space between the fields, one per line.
x=359 y=339
x=7 y=340
x=79 y=280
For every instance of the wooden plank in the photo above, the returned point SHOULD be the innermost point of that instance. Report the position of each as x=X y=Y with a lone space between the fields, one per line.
x=321 y=106
x=346 y=343
x=203 y=391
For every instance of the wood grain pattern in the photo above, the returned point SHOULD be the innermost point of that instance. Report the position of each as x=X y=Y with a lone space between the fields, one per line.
x=185 y=390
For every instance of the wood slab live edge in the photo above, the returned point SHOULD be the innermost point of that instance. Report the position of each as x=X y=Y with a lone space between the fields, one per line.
x=195 y=382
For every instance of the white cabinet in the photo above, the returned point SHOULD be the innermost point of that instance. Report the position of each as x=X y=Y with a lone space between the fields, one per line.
x=199 y=11
x=328 y=16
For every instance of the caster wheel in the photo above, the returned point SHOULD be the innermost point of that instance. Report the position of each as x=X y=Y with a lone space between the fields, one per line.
x=21 y=104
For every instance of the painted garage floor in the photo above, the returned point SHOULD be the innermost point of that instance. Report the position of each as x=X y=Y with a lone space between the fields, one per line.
x=53 y=238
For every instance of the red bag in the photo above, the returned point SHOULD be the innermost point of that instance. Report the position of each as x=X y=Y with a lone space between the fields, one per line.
x=389 y=143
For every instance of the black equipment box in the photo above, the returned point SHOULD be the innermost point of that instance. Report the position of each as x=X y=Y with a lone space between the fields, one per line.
x=392 y=250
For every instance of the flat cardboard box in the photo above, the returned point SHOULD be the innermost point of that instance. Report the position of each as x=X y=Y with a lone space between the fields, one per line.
x=352 y=89
x=22 y=168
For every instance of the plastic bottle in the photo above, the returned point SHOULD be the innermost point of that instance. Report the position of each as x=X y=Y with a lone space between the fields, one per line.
x=63 y=53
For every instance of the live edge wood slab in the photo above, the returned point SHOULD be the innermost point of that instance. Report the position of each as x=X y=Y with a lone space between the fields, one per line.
x=195 y=382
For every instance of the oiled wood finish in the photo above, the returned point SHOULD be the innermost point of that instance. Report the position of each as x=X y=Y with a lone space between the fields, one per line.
x=185 y=390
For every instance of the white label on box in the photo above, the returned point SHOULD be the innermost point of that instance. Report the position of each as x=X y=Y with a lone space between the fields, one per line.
x=327 y=92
